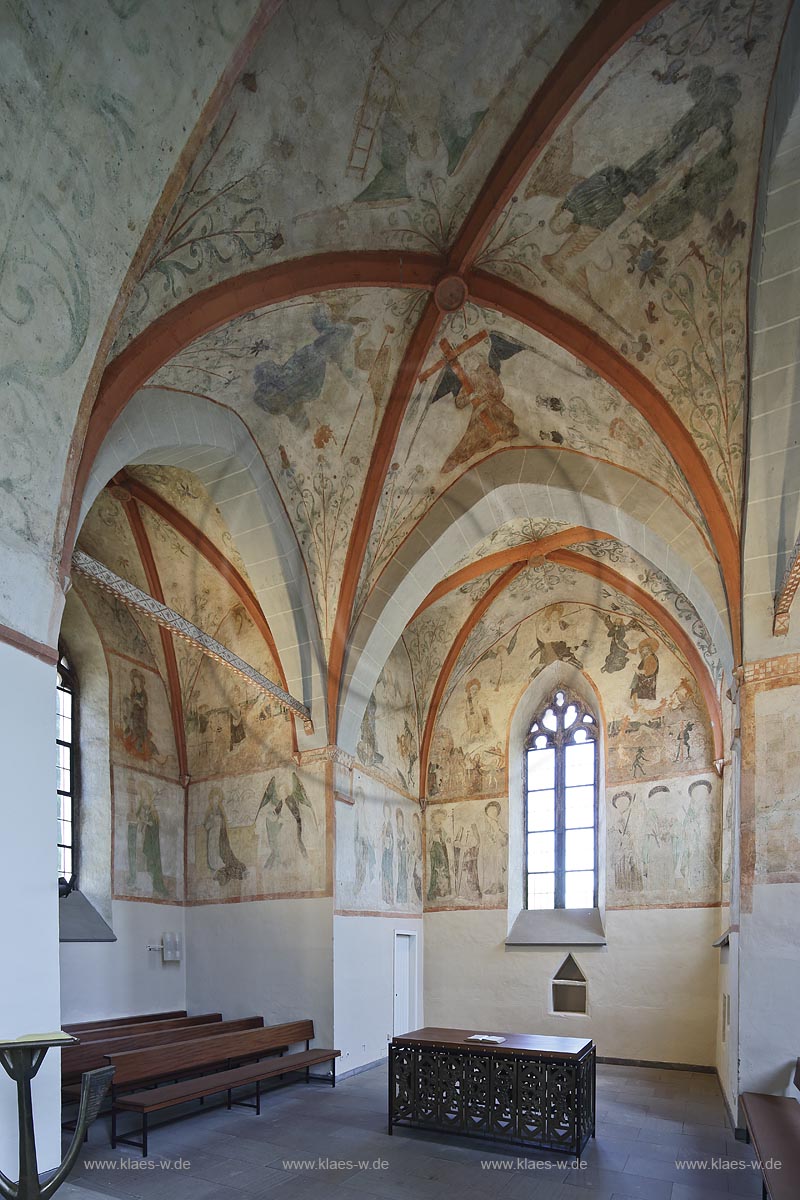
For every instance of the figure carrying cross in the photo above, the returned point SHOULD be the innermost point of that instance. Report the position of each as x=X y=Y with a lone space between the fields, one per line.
x=491 y=420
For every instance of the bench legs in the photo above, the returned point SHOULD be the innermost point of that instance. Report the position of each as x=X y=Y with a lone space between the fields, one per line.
x=116 y=1140
x=248 y=1103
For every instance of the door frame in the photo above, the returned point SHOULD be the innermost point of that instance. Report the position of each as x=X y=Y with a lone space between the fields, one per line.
x=413 y=977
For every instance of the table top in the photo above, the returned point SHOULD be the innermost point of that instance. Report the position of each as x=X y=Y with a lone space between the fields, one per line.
x=35 y=1041
x=530 y=1044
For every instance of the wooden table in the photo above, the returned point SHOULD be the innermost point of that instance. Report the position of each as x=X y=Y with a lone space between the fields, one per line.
x=529 y=1090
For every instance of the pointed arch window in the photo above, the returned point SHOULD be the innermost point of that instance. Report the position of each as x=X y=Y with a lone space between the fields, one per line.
x=561 y=798
x=66 y=766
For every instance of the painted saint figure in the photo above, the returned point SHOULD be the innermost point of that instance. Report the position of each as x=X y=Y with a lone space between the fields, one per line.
x=296 y=801
x=132 y=840
x=387 y=857
x=490 y=421
x=367 y=748
x=645 y=679
x=619 y=650
x=494 y=852
x=416 y=850
x=402 y=858
x=466 y=848
x=362 y=846
x=136 y=735
x=272 y=806
x=222 y=862
x=149 y=827
x=439 y=880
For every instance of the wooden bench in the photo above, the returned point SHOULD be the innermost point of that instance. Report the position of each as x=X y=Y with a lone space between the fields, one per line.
x=773 y=1127
x=216 y=1058
x=147 y=1027
x=113 y=1022
x=90 y=1055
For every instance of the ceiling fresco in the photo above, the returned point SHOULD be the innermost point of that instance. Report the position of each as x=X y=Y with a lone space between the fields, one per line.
x=613 y=218
x=559 y=588
x=311 y=379
x=225 y=718
x=185 y=493
x=526 y=393
x=101 y=119
x=346 y=131
x=656 y=721
x=633 y=567
x=642 y=229
x=429 y=636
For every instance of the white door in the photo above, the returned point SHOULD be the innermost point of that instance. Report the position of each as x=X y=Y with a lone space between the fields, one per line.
x=405 y=982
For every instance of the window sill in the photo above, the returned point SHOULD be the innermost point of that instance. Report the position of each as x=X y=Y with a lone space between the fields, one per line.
x=557 y=927
x=79 y=921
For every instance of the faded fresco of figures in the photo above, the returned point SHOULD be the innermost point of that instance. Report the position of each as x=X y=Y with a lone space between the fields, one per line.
x=655 y=742
x=387 y=857
x=645 y=680
x=438 y=848
x=401 y=894
x=149 y=826
x=494 y=853
x=298 y=807
x=133 y=730
x=257 y=836
x=389 y=739
x=619 y=651
x=148 y=855
x=379 y=850
x=222 y=861
x=416 y=855
x=467 y=855
x=365 y=861
x=663 y=843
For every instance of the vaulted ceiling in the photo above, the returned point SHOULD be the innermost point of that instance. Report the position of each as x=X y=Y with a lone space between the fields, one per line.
x=467 y=287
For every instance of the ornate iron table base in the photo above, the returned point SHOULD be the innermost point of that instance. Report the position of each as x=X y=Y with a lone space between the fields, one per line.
x=542 y=1102
x=21 y=1060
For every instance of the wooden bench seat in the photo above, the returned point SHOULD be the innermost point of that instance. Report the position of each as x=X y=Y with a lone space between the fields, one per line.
x=102 y=1034
x=272 y=1040
x=90 y=1055
x=114 y=1022
x=773 y=1125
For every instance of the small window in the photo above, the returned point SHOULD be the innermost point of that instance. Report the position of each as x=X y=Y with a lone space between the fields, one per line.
x=561 y=784
x=66 y=767
x=569 y=988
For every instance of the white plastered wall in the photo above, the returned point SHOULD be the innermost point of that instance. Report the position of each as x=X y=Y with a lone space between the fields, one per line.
x=364 y=985
x=652 y=990
x=29 y=930
x=270 y=958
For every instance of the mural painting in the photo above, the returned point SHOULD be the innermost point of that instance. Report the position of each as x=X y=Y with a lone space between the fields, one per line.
x=777 y=767
x=389 y=740
x=646 y=235
x=261 y=835
x=663 y=843
x=466 y=854
x=379 y=850
x=657 y=726
x=148 y=837
x=141 y=722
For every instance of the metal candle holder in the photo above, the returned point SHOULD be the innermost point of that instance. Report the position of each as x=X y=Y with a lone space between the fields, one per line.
x=21 y=1060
